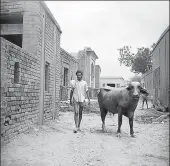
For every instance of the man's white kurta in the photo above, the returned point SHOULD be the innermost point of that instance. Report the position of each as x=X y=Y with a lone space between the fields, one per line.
x=79 y=90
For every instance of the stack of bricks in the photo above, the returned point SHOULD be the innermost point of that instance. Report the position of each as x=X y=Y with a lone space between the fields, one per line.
x=19 y=101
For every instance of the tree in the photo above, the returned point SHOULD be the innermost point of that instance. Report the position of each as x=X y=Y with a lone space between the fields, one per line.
x=139 y=62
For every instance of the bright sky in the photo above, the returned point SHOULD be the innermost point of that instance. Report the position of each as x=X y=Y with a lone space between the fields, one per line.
x=106 y=26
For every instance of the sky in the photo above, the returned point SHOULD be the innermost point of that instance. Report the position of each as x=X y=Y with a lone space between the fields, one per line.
x=106 y=26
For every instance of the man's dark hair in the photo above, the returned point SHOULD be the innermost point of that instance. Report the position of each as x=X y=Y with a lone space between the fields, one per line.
x=79 y=71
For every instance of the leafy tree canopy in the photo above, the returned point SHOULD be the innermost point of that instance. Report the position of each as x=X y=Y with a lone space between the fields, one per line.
x=139 y=62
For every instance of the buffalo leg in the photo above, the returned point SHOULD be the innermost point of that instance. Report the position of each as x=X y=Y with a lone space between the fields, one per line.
x=103 y=115
x=119 y=122
x=131 y=126
x=142 y=104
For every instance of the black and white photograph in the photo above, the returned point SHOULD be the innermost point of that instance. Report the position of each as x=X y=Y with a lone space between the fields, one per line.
x=84 y=83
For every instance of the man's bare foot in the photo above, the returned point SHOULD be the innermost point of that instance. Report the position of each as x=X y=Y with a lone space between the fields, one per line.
x=78 y=129
x=75 y=130
x=118 y=135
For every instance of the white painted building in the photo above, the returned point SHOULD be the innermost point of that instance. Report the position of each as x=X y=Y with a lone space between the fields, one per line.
x=111 y=81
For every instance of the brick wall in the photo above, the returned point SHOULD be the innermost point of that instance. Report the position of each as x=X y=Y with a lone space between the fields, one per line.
x=33 y=41
x=52 y=56
x=49 y=53
x=30 y=13
x=8 y=6
x=19 y=101
x=157 y=80
x=161 y=63
x=57 y=73
x=147 y=81
x=68 y=61
x=41 y=36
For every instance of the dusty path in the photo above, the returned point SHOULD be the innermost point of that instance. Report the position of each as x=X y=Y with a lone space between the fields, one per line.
x=57 y=145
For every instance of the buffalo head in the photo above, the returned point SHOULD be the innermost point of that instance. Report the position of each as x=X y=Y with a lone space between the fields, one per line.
x=135 y=89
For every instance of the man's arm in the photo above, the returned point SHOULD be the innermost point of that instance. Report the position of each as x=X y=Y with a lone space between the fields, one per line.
x=87 y=92
x=88 y=96
x=72 y=83
x=71 y=95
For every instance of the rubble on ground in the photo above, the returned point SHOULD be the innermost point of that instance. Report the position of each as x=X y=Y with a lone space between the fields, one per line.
x=158 y=106
x=161 y=119
x=152 y=116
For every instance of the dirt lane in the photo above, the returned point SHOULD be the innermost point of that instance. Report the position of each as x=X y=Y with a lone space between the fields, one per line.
x=57 y=145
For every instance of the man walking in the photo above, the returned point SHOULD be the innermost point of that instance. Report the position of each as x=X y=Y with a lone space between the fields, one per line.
x=78 y=93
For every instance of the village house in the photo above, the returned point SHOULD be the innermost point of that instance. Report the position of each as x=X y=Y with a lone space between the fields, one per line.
x=156 y=80
x=86 y=62
x=111 y=81
x=30 y=66
x=91 y=72
x=69 y=66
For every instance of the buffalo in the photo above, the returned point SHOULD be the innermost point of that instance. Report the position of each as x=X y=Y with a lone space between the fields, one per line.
x=121 y=101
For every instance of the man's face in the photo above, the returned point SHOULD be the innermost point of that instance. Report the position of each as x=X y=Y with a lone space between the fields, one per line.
x=79 y=76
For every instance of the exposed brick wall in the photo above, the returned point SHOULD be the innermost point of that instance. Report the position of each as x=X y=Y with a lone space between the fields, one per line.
x=34 y=16
x=161 y=61
x=30 y=11
x=64 y=93
x=31 y=23
x=157 y=79
x=49 y=54
x=31 y=54
x=32 y=34
x=19 y=102
x=74 y=68
x=8 y=6
x=51 y=42
x=58 y=71
x=67 y=60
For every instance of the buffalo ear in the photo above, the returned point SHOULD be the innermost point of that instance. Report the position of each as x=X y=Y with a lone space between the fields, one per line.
x=129 y=87
x=144 y=91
